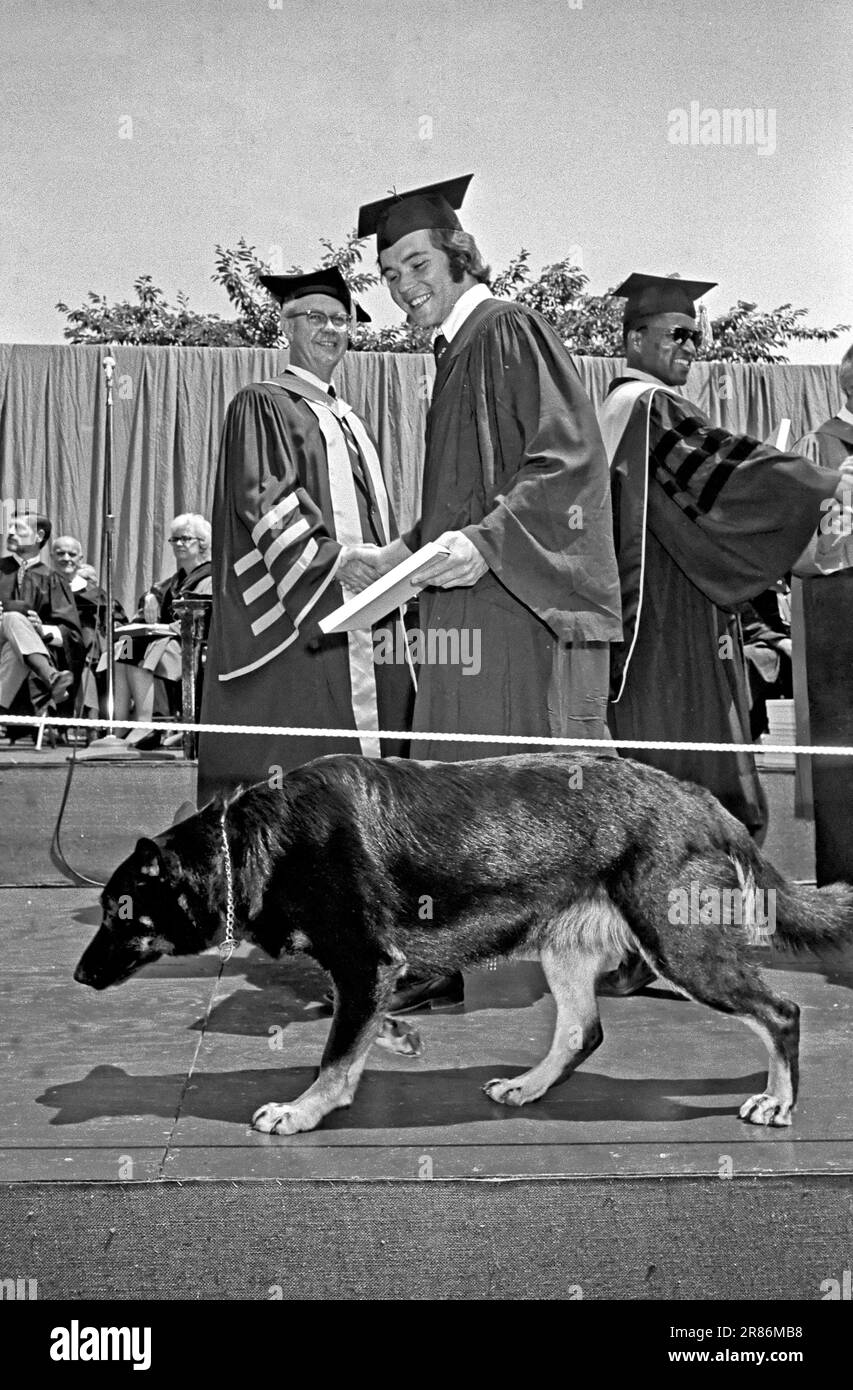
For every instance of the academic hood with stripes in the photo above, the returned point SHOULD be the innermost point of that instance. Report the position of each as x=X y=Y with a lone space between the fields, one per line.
x=298 y=478
x=732 y=513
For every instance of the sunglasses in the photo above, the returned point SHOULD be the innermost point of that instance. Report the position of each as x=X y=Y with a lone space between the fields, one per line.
x=686 y=335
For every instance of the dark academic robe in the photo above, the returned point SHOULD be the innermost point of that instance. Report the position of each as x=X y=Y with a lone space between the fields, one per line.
x=91 y=605
x=704 y=520
x=831 y=444
x=48 y=594
x=166 y=591
x=289 y=483
x=823 y=676
x=514 y=459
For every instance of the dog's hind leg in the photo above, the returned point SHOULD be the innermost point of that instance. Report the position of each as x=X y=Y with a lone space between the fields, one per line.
x=577 y=1031
x=723 y=979
x=779 y=1029
x=360 y=1004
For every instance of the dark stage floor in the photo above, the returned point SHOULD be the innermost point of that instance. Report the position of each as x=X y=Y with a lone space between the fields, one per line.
x=158 y=1078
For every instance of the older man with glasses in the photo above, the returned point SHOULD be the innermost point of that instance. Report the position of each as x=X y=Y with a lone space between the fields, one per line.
x=301 y=519
x=704 y=520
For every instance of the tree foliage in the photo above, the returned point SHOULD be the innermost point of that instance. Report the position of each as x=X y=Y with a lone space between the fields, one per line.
x=589 y=325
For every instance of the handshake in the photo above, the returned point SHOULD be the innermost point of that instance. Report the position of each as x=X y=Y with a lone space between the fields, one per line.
x=362 y=565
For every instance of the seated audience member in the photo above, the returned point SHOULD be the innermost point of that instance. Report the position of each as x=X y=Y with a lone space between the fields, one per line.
x=41 y=643
x=91 y=603
x=766 y=623
x=142 y=660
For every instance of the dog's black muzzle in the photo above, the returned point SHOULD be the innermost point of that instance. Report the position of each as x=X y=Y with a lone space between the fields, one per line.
x=107 y=962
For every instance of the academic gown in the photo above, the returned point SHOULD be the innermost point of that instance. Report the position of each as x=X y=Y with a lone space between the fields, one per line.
x=275 y=553
x=47 y=594
x=162 y=655
x=823 y=668
x=724 y=518
x=514 y=459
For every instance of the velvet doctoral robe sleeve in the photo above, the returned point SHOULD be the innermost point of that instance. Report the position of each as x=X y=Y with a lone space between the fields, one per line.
x=547 y=529
x=273 y=553
x=734 y=514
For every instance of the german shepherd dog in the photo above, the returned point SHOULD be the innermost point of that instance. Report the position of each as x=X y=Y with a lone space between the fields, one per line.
x=371 y=866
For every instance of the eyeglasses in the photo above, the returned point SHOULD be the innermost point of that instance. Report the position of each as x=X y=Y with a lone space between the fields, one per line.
x=686 y=335
x=183 y=540
x=319 y=320
x=680 y=335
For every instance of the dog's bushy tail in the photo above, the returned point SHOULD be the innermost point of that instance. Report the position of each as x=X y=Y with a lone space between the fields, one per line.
x=808 y=919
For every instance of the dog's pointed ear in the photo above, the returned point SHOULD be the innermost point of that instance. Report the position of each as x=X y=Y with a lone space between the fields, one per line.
x=149 y=856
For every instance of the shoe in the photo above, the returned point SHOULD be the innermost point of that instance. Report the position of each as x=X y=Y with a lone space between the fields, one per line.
x=420 y=992
x=632 y=976
x=144 y=742
x=427 y=992
x=46 y=695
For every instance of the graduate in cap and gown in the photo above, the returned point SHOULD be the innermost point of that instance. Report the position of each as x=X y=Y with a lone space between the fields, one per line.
x=515 y=486
x=704 y=521
x=831 y=444
x=300 y=515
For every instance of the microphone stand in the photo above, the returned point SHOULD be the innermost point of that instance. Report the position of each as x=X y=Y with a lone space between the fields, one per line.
x=110 y=746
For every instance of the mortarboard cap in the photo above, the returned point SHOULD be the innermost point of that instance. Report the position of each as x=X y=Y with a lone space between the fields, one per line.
x=327 y=280
x=648 y=295
x=422 y=209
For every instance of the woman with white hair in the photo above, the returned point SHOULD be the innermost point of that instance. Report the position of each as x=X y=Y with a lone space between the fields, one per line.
x=141 y=661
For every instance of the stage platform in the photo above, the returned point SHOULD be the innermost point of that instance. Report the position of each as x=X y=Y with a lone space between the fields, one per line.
x=129 y=1168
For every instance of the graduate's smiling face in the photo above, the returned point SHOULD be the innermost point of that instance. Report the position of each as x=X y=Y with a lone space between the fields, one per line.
x=420 y=281
x=318 y=347
x=656 y=347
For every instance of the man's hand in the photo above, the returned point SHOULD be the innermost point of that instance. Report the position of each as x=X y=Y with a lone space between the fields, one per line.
x=827 y=550
x=361 y=565
x=35 y=621
x=150 y=608
x=459 y=569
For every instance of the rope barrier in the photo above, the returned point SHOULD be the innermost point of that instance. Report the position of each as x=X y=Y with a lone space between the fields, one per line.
x=400 y=735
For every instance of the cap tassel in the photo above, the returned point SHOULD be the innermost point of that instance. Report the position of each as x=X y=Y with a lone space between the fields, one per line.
x=705 y=327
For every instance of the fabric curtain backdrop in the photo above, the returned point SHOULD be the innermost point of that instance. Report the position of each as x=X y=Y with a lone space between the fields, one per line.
x=170 y=402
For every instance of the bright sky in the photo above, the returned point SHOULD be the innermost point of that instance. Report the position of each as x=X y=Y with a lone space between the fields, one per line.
x=274 y=119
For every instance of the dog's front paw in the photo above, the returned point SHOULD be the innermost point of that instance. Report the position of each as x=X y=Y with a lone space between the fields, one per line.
x=282 y=1119
x=506 y=1092
x=766 y=1110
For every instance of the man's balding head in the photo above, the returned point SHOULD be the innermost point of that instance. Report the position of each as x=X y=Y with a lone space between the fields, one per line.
x=66 y=554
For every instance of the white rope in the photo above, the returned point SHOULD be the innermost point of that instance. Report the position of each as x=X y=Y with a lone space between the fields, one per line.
x=419 y=735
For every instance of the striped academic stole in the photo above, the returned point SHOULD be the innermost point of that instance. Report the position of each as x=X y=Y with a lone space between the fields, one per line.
x=331 y=413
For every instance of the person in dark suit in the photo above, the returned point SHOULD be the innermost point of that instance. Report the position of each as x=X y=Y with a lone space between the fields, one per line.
x=40 y=639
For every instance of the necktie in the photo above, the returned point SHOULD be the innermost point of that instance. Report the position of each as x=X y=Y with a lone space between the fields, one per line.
x=359 y=470
x=439 y=346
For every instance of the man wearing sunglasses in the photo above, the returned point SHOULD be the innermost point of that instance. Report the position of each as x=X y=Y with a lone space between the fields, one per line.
x=704 y=520
x=301 y=518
